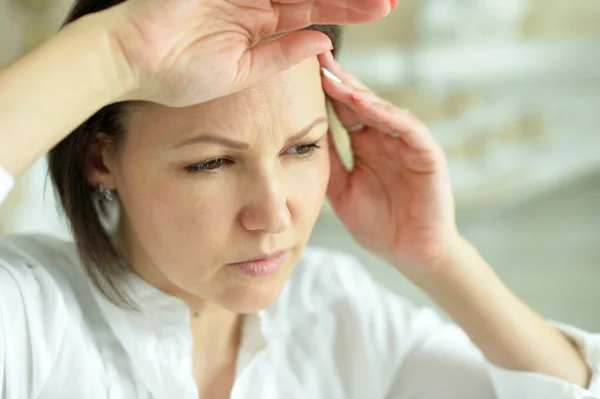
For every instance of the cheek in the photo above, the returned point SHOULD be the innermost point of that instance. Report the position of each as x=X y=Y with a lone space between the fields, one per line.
x=309 y=185
x=180 y=210
x=187 y=207
x=174 y=211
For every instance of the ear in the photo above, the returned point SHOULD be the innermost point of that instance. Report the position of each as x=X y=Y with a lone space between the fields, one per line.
x=98 y=163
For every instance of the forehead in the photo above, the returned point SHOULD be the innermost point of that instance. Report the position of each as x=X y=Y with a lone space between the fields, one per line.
x=285 y=101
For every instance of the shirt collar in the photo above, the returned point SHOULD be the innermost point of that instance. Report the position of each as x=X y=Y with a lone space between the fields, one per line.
x=164 y=317
x=158 y=341
x=155 y=337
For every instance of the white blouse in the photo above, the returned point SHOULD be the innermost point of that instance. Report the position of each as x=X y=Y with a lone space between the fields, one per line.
x=333 y=333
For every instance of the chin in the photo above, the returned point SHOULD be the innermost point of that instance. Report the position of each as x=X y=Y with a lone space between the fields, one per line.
x=252 y=295
x=253 y=298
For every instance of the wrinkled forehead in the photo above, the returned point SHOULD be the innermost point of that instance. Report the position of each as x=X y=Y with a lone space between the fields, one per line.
x=283 y=103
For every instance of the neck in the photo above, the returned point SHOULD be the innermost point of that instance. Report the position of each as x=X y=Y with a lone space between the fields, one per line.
x=216 y=331
x=217 y=334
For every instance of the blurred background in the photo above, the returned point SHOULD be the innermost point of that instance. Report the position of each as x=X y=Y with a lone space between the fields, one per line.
x=510 y=88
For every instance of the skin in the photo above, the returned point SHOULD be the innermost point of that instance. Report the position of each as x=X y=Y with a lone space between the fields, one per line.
x=399 y=184
x=183 y=229
x=171 y=52
x=405 y=178
x=264 y=198
x=157 y=51
x=402 y=172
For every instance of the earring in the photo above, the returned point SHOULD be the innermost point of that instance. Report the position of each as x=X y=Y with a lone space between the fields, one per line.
x=103 y=195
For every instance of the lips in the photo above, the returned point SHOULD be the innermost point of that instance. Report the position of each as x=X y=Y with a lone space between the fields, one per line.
x=265 y=256
x=262 y=265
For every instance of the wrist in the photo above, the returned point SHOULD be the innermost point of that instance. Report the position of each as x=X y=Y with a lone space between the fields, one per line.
x=97 y=34
x=509 y=333
x=454 y=260
x=457 y=255
x=460 y=272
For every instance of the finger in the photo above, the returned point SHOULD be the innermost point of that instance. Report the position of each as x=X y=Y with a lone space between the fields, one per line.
x=338 y=181
x=395 y=121
x=341 y=95
x=271 y=57
x=328 y=61
x=293 y=15
x=346 y=115
x=335 y=88
x=345 y=91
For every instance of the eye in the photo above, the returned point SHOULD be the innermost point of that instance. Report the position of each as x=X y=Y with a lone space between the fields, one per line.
x=303 y=150
x=212 y=166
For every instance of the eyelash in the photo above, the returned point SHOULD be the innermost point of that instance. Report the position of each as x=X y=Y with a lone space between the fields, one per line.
x=214 y=165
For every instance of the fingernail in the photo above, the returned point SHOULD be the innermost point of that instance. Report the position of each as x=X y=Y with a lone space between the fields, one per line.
x=330 y=75
x=365 y=98
x=394 y=3
x=355 y=128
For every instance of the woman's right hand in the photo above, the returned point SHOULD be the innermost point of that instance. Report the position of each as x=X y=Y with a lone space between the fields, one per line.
x=184 y=52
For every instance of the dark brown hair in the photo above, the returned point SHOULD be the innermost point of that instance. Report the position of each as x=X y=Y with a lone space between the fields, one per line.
x=67 y=169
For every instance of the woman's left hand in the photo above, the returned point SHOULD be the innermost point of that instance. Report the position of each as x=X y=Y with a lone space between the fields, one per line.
x=397 y=201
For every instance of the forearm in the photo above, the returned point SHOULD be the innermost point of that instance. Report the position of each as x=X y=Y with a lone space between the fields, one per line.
x=507 y=331
x=53 y=89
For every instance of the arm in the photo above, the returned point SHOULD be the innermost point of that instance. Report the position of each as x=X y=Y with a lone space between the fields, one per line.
x=53 y=89
x=508 y=332
x=116 y=55
x=401 y=351
x=397 y=202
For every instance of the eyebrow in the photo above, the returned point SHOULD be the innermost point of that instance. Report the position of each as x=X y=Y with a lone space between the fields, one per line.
x=241 y=145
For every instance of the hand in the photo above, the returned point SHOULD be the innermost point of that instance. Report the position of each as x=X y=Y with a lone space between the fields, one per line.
x=184 y=52
x=397 y=201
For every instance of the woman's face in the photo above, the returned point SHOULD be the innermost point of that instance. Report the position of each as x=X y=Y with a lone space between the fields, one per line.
x=224 y=182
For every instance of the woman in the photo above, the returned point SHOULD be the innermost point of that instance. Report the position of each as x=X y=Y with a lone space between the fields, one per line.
x=208 y=133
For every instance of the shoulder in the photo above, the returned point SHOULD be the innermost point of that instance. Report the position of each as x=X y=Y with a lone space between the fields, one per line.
x=329 y=284
x=39 y=271
x=328 y=276
x=39 y=267
x=323 y=277
x=43 y=273
x=332 y=309
x=34 y=310
x=41 y=281
x=35 y=248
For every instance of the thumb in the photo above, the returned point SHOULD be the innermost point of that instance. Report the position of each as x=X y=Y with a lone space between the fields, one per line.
x=340 y=177
x=271 y=57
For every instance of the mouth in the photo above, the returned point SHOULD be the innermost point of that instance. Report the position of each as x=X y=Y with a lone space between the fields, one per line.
x=262 y=265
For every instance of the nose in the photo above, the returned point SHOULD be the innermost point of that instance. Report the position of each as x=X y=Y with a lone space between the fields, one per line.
x=267 y=207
